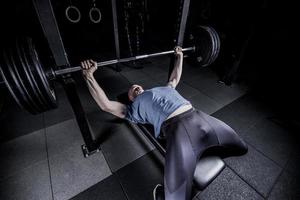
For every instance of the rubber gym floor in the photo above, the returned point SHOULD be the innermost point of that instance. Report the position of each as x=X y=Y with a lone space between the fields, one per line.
x=41 y=155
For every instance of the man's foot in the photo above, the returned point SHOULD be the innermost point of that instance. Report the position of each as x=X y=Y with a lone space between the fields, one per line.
x=158 y=192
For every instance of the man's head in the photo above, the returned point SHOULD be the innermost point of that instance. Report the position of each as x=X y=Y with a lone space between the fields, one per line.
x=134 y=91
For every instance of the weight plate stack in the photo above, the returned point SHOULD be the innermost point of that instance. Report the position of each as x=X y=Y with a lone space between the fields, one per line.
x=25 y=78
x=207 y=45
x=45 y=86
x=217 y=44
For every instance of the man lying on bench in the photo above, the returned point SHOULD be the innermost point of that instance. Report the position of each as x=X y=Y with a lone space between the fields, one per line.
x=188 y=132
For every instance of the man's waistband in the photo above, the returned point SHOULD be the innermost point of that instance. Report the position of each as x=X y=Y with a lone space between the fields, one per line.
x=177 y=117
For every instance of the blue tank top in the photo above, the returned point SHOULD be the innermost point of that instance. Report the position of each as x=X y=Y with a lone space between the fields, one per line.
x=153 y=106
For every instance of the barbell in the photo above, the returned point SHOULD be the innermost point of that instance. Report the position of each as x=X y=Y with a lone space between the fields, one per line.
x=31 y=84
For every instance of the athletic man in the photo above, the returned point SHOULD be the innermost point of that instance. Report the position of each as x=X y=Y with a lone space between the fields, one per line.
x=188 y=132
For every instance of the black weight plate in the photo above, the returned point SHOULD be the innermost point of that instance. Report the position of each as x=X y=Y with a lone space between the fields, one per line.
x=213 y=39
x=7 y=80
x=218 y=44
x=34 y=75
x=22 y=79
x=28 y=80
x=204 y=45
x=45 y=87
x=12 y=81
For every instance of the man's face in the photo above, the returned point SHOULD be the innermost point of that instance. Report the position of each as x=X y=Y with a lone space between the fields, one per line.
x=134 y=91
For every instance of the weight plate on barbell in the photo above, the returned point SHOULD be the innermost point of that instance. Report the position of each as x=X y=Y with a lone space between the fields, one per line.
x=12 y=80
x=214 y=49
x=25 y=78
x=204 y=43
x=30 y=80
x=217 y=44
x=44 y=84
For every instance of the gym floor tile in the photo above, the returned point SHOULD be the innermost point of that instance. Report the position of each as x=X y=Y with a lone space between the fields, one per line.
x=88 y=103
x=21 y=153
x=204 y=103
x=287 y=187
x=62 y=113
x=135 y=75
x=139 y=178
x=186 y=91
x=16 y=122
x=31 y=183
x=228 y=186
x=114 y=84
x=294 y=162
x=219 y=92
x=242 y=113
x=63 y=136
x=122 y=146
x=161 y=62
x=153 y=71
x=257 y=170
x=192 y=70
x=103 y=123
x=105 y=72
x=161 y=79
x=108 y=189
x=272 y=140
x=72 y=173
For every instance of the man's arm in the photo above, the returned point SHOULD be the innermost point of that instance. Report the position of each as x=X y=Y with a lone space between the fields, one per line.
x=116 y=108
x=176 y=73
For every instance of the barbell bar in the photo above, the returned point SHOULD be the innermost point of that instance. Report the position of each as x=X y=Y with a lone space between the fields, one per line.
x=31 y=84
x=122 y=60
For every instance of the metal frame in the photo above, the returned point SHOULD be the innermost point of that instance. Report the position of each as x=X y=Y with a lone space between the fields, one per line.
x=184 y=16
x=116 y=32
x=51 y=31
x=90 y=145
x=180 y=38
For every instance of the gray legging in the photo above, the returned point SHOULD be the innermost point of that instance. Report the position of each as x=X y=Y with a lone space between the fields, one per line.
x=188 y=135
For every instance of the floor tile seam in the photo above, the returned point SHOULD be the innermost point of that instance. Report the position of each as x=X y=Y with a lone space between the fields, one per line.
x=135 y=159
x=60 y=122
x=211 y=97
x=219 y=104
x=245 y=181
x=21 y=170
x=265 y=155
x=277 y=178
x=281 y=169
x=8 y=142
x=122 y=187
x=118 y=176
x=146 y=154
x=106 y=160
x=48 y=161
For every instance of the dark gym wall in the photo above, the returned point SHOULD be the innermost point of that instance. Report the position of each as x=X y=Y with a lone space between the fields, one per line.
x=271 y=63
x=85 y=39
x=88 y=40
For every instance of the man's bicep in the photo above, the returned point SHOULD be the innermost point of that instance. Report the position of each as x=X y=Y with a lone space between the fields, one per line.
x=118 y=109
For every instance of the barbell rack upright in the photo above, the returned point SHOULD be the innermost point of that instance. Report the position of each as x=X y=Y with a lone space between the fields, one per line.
x=46 y=16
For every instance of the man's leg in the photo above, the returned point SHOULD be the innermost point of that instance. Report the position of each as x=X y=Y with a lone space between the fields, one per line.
x=228 y=139
x=180 y=164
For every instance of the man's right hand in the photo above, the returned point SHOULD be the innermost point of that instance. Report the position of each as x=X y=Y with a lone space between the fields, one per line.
x=178 y=51
x=88 y=67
